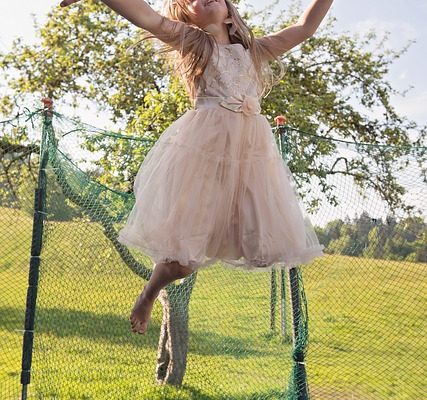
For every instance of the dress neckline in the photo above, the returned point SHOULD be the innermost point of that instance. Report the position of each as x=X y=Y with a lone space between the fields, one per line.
x=228 y=44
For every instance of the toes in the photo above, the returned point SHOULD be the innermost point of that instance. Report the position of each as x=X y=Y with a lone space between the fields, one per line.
x=142 y=328
x=135 y=324
x=142 y=331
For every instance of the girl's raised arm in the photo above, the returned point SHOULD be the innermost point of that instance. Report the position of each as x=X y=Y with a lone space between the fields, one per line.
x=307 y=24
x=139 y=13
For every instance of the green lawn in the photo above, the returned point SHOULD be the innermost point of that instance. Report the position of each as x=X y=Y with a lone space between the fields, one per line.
x=366 y=322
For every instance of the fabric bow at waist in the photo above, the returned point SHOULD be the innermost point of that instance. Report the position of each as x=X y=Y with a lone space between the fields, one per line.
x=248 y=105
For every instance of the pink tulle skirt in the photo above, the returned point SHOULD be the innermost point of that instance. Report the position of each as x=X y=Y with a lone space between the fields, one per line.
x=214 y=187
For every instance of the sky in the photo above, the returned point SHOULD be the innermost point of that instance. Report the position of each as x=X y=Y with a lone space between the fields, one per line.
x=404 y=20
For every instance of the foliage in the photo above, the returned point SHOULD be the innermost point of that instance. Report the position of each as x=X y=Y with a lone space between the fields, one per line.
x=333 y=83
x=372 y=238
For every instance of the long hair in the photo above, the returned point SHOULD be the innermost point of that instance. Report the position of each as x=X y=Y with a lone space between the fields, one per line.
x=195 y=46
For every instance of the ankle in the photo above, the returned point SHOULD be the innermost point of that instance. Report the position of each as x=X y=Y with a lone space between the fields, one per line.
x=150 y=293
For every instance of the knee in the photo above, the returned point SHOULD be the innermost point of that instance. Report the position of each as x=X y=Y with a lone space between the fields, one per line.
x=184 y=270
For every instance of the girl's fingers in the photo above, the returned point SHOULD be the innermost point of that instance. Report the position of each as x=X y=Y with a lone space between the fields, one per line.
x=65 y=3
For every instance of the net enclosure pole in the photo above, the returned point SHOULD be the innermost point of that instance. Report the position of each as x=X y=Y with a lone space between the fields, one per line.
x=284 y=151
x=283 y=304
x=299 y=374
x=273 y=300
x=299 y=381
x=36 y=247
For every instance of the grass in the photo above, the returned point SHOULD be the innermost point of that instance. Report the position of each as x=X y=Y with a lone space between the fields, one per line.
x=366 y=319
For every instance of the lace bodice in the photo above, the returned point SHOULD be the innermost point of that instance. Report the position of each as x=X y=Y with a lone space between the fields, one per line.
x=230 y=72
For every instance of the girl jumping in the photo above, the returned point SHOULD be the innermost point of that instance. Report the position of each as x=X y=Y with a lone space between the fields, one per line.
x=214 y=186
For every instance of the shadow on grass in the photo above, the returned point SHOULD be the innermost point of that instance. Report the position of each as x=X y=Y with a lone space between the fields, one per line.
x=12 y=318
x=195 y=393
x=116 y=330
x=184 y=392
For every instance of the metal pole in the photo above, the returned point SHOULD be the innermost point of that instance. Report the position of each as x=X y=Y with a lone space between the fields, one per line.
x=283 y=327
x=280 y=121
x=301 y=381
x=36 y=247
x=273 y=301
x=284 y=151
x=294 y=289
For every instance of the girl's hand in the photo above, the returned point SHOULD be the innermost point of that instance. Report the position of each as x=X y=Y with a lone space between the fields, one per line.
x=65 y=3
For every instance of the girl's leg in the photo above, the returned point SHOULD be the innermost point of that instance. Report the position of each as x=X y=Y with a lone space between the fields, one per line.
x=163 y=274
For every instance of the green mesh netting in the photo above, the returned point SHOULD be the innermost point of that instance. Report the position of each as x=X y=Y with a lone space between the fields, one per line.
x=351 y=325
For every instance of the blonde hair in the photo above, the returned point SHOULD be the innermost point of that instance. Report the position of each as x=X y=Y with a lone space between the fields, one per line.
x=195 y=46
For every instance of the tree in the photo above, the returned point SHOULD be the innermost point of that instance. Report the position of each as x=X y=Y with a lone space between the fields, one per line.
x=421 y=248
x=343 y=245
x=85 y=53
x=374 y=248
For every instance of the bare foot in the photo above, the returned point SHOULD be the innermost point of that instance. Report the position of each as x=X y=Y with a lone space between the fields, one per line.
x=141 y=312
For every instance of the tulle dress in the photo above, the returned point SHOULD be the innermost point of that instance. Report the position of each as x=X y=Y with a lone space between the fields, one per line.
x=214 y=186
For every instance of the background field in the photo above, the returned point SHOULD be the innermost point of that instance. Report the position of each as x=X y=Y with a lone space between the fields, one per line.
x=367 y=320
